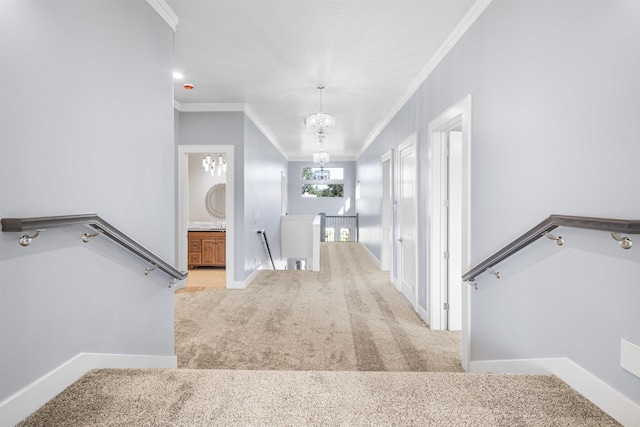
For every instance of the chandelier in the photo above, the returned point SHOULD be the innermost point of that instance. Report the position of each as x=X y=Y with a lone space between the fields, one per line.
x=209 y=164
x=321 y=157
x=320 y=123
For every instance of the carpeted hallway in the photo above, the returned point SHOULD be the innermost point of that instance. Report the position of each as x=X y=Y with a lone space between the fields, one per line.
x=347 y=317
x=297 y=348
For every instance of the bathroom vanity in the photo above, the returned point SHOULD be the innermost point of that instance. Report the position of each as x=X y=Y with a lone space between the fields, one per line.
x=207 y=248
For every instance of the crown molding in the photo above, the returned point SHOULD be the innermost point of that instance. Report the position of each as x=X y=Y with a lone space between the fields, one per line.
x=266 y=131
x=209 y=107
x=165 y=12
x=233 y=107
x=458 y=32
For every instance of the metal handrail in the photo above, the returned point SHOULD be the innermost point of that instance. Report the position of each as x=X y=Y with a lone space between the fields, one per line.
x=103 y=227
x=552 y=222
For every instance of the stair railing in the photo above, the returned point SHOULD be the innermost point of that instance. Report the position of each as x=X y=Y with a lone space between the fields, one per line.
x=613 y=226
x=349 y=223
x=102 y=227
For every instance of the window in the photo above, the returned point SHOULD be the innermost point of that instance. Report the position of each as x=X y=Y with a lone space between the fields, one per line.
x=322 y=182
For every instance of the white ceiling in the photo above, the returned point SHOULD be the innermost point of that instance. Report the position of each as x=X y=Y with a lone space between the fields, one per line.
x=272 y=54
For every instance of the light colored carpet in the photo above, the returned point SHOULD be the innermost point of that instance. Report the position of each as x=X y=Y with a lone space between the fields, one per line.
x=184 y=397
x=346 y=317
x=301 y=342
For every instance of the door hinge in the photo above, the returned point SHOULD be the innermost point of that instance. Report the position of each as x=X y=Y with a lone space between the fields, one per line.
x=445 y=254
x=445 y=306
x=446 y=203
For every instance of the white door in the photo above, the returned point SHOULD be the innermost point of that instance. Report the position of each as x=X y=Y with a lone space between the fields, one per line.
x=386 y=212
x=407 y=220
x=453 y=290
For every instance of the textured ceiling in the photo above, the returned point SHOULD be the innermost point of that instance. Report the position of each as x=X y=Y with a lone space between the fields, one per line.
x=272 y=54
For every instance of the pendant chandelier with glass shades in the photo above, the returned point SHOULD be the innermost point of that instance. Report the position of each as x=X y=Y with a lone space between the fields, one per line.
x=320 y=124
x=209 y=164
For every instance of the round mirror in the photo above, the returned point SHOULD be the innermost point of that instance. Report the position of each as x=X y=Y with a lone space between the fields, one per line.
x=215 y=200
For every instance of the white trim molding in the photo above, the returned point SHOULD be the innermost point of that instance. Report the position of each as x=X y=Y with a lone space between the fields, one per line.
x=607 y=398
x=247 y=109
x=458 y=114
x=26 y=401
x=266 y=131
x=163 y=9
x=244 y=284
x=371 y=255
x=458 y=32
x=208 y=107
x=182 y=250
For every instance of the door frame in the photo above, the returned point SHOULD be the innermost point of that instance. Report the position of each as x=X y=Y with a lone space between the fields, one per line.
x=284 y=203
x=386 y=262
x=458 y=115
x=182 y=249
x=411 y=140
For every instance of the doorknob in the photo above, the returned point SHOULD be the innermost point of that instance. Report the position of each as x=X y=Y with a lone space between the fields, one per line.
x=400 y=240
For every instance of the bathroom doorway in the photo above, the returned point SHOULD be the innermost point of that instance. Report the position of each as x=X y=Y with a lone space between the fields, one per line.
x=205 y=215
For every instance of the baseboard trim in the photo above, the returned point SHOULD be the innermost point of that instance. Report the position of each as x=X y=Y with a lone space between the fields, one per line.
x=26 y=401
x=422 y=313
x=373 y=257
x=607 y=398
x=245 y=284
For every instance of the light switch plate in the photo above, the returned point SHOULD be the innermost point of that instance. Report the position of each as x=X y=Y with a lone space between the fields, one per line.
x=630 y=357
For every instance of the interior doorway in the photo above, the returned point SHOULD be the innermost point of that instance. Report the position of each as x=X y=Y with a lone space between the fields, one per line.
x=407 y=220
x=182 y=249
x=448 y=224
x=386 y=235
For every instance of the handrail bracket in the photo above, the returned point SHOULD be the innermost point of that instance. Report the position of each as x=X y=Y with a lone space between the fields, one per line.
x=559 y=240
x=87 y=236
x=26 y=239
x=625 y=242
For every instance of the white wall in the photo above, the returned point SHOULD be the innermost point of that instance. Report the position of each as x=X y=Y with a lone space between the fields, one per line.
x=200 y=182
x=554 y=130
x=86 y=122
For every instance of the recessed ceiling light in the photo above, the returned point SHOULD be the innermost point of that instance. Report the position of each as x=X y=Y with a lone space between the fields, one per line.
x=177 y=76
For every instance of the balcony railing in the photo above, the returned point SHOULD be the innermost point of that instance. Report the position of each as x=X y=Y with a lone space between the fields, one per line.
x=339 y=228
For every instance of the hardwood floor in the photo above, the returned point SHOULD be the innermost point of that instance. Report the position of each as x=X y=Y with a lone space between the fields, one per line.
x=205 y=278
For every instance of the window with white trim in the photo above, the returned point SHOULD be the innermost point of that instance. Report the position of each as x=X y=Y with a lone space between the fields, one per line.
x=322 y=182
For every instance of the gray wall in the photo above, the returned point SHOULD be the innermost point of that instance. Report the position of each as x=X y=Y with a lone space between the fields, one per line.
x=554 y=130
x=299 y=205
x=264 y=166
x=86 y=122
x=258 y=166
x=226 y=128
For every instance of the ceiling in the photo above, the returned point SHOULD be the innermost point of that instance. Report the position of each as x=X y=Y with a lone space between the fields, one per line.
x=271 y=55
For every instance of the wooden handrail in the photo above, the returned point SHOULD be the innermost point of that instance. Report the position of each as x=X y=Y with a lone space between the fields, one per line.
x=549 y=224
x=103 y=227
